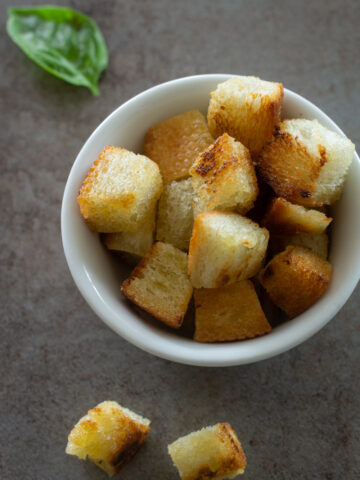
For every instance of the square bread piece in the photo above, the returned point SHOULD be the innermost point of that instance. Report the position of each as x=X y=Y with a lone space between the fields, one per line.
x=225 y=248
x=229 y=313
x=109 y=435
x=175 y=143
x=285 y=218
x=295 y=279
x=224 y=178
x=175 y=214
x=317 y=243
x=160 y=284
x=212 y=452
x=247 y=108
x=137 y=243
x=120 y=191
x=306 y=163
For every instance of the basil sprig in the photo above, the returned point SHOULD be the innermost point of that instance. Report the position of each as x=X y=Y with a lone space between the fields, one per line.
x=62 y=41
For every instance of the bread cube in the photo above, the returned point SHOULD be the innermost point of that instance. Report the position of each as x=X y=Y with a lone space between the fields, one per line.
x=317 y=243
x=225 y=248
x=295 y=279
x=175 y=214
x=224 y=178
x=246 y=108
x=175 y=143
x=212 y=452
x=229 y=313
x=137 y=243
x=160 y=285
x=120 y=191
x=285 y=218
x=306 y=163
x=109 y=435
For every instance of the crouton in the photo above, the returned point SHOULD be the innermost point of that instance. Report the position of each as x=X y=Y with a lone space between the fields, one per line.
x=137 y=243
x=306 y=163
x=225 y=248
x=160 y=285
x=120 y=191
x=247 y=108
x=224 y=178
x=175 y=214
x=295 y=279
x=285 y=218
x=229 y=313
x=212 y=452
x=175 y=143
x=317 y=243
x=109 y=435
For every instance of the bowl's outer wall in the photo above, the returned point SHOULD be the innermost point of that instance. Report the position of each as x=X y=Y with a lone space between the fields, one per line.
x=98 y=279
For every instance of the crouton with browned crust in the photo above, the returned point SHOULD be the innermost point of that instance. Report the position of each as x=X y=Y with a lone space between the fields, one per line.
x=224 y=178
x=229 y=313
x=175 y=143
x=296 y=279
x=247 y=108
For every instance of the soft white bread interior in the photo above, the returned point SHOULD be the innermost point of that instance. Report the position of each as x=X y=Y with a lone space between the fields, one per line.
x=247 y=108
x=224 y=178
x=317 y=243
x=212 y=452
x=175 y=214
x=109 y=435
x=120 y=191
x=225 y=248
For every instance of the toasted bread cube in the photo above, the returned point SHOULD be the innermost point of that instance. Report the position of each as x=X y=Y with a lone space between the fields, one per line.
x=285 y=218
x=160 y=285
x=175 y=143
x=295 y=279
x=120 y=191
x=212 y=452
x=317 y=243
x=225 y=248
x=109 y=435
x=137 y=243
x=247 y=108
x=306 y=163
x=229 y=313
x=176 y=215
x=224 y=178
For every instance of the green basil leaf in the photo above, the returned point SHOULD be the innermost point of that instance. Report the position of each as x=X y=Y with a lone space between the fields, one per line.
x=62 y=41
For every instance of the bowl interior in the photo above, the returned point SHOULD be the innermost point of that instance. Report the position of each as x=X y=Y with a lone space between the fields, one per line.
x=98 y=276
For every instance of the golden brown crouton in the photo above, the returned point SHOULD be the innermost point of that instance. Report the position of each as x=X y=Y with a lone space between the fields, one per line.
x=120 y=191
x=136 y=243
x=109 y=435
x=175 y=143
x=295 y=279
x=246 y=108
x=160 y=284
x=224 y=178
x=175 y=214
x=225 y=248
x=317 y=243
x=285 y=218
x=306 y=163
x=210 y=453
x=229 y=313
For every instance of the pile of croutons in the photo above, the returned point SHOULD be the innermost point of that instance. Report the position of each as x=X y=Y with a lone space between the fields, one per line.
x=191 y=209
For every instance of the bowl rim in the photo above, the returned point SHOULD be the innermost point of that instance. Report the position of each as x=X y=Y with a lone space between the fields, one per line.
x=282 y=339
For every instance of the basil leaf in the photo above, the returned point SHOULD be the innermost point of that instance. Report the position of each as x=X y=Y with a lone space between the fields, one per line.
x=62 y=41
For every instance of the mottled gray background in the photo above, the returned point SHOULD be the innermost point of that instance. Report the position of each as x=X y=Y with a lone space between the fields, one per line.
x=297 y=415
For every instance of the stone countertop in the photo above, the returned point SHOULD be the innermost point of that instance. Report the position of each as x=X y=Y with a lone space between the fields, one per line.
x=298 y=414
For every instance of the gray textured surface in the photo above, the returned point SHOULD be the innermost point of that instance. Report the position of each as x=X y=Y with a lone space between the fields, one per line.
x=298 y=414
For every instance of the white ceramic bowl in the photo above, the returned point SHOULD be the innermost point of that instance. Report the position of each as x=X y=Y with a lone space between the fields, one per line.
x=97 y=275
